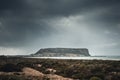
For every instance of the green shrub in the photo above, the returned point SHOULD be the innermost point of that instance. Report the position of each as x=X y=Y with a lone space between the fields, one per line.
x=11 y=77
x=95 y=78
x=10 y=68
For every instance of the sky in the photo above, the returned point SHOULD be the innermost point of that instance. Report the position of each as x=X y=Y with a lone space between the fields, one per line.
x=29 y=25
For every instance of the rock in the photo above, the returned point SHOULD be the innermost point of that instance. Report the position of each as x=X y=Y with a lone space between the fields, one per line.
x=50 y=70
x=62 y=52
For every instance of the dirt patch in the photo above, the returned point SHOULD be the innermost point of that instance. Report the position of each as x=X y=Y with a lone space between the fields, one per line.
x=31 y=72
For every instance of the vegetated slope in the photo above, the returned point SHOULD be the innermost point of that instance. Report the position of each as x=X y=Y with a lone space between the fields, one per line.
x=74 y=69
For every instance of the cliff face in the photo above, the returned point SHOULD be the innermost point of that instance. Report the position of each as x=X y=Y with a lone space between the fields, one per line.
x=62 y=52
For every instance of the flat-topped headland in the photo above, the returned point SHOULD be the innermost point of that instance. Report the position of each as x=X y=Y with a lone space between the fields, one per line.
x=62 y=52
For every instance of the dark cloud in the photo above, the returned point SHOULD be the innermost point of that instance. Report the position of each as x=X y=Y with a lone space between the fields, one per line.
x=20 y=30
x=11 y=4
x=54 y=7
x=23 y=21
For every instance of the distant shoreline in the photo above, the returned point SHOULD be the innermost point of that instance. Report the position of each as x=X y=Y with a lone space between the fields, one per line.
x=116 y=58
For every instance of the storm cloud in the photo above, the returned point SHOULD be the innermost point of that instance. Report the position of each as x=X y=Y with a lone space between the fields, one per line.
x=28 y=25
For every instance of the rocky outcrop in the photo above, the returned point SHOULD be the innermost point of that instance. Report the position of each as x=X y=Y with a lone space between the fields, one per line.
x=62 y=52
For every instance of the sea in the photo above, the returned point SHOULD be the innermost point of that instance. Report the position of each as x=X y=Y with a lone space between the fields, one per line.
x=83 y=58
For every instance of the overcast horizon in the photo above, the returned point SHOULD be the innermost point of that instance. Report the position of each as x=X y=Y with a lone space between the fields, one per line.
x=29 y=25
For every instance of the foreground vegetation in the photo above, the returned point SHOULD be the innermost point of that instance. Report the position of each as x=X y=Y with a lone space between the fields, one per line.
x=75 y=69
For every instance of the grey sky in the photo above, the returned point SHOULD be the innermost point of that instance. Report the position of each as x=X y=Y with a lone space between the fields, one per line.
x=28 y=25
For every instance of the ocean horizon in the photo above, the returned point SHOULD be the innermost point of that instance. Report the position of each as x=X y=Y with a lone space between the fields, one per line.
x=83 y=58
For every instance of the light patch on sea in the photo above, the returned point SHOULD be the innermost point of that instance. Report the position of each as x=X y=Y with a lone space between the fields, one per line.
x=83 y=58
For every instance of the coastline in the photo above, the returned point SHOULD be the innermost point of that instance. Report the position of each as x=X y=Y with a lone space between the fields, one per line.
x=115 y=58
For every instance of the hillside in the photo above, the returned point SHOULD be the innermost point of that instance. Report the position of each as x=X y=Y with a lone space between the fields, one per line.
x=58 y=69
